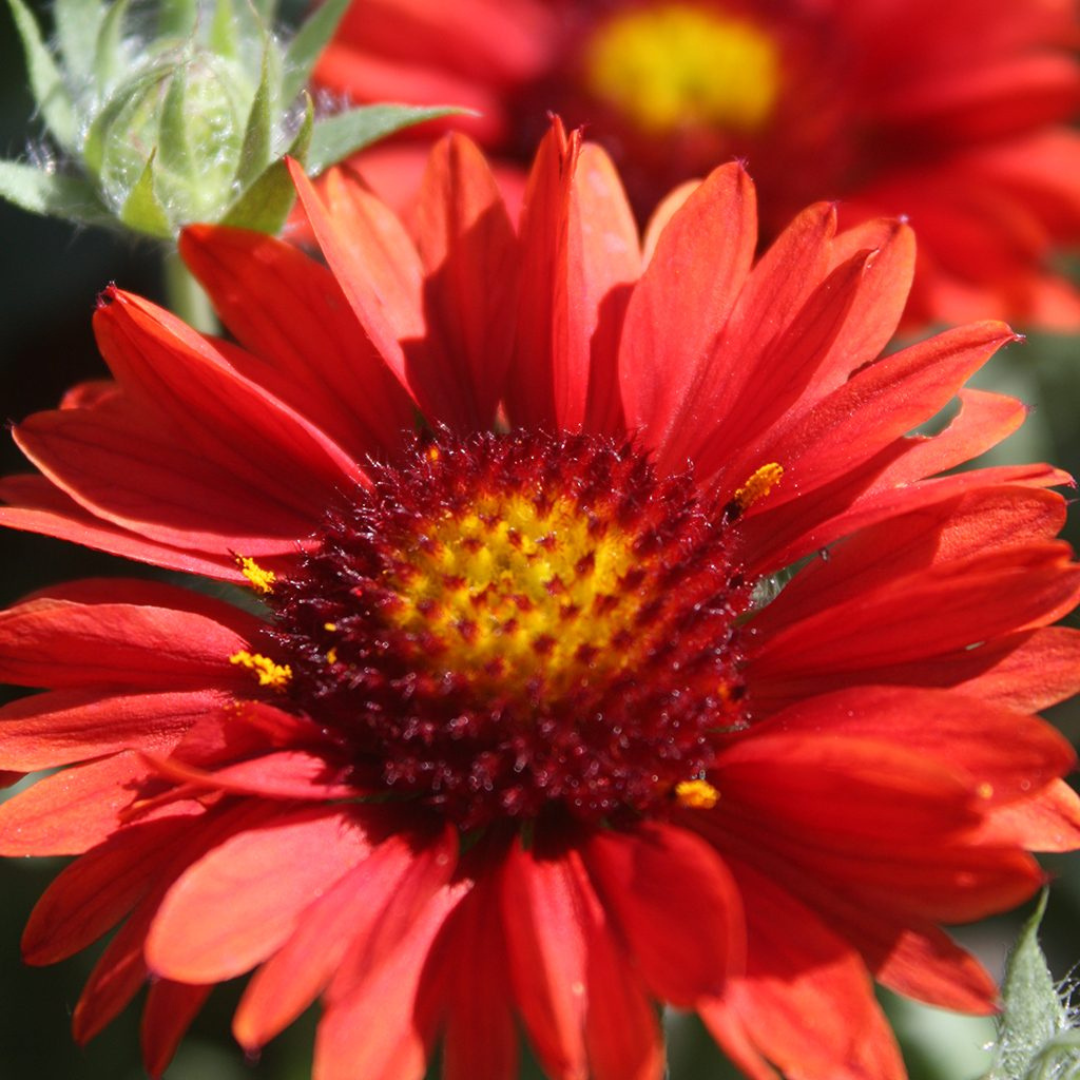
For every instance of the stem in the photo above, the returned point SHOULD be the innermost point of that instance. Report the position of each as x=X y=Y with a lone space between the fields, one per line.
x=185 y=297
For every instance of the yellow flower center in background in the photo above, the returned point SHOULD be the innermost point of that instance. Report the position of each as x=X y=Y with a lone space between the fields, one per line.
x=678 y=65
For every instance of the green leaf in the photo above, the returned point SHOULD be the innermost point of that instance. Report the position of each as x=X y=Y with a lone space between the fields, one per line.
x=301 y=144
x=177 y=18
x=51 y=195
x=77 y=25
x=109 y=59
x=266 y=10
x=336 y=137
x=1033 y=1012
x=142 y=211
x=255 y=152
x=174 y=153
x=308 y=44
x=266 y=204
x=1059 y=1059
x=45 y=80
x=224 y=36
x=251 y=27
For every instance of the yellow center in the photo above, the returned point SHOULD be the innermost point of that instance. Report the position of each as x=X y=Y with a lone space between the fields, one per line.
x=517 y=590
x=677 y=65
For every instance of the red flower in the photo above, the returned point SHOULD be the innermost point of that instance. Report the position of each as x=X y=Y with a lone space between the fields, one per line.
x=518 y=724
x=953 y=115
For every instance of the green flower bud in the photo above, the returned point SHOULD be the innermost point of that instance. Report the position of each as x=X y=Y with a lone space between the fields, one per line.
x=1039 y=1038
x=180 y=114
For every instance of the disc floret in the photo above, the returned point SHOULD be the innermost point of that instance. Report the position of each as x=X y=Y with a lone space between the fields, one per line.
x=505 y=624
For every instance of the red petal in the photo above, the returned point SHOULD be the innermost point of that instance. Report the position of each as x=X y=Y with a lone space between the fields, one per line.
x=69 y=812
x=92 y=894
x=383 y=1028
x=219 y=413
x=954 y=605
x=858 y=792
x=434 y=859
x=884 y=486
x=134 y=473
x=665 y=210
x=481 y=1038
x=121 y=971
x=621 y=1031
x=730 y=1033
x=683 y=301
x=1026 y=672
x=993 y=100
x=124 y=634
x=603 y=259
x=942 y=880
x=530 y=391
x=39 y=507
x=169 y=1011
x=288 y=774
x=806 y=1000
x=1050 y=821
x=675 y=905
x=582 y=1003
x=773 y=295
x=925 y=964
x=289 y=310
x=376 y=267
x=241 y=902
x=777 y=377
x=46 y=730
x=469 y=250
x=877 y=405
x=879 y=304
x=547 y=945
x=984 y=420
x=352 y=916
x=117 y=977
x=956 y=528
x=908 y=954
x=988 y=744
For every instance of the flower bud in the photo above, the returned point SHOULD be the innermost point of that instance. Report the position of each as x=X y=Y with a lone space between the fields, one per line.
x=178 y=114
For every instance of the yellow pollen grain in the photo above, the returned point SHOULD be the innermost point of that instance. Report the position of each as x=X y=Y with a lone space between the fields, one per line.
x=331 y=656
x=759 y=485
x=262 y=581
x=696 y=794
x=667 y=66
x=985 y=790
x=275 y=676
x=329 y=626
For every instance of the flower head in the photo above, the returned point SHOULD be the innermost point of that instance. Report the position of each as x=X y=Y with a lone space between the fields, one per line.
x=953 y=118
x=607 y=639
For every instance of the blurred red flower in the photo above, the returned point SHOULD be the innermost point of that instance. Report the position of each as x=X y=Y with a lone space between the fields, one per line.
x=951 y=114
x=513 y=721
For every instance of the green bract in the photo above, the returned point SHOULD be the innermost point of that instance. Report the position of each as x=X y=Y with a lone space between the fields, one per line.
x=180 y=114
x=1039 y=1039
